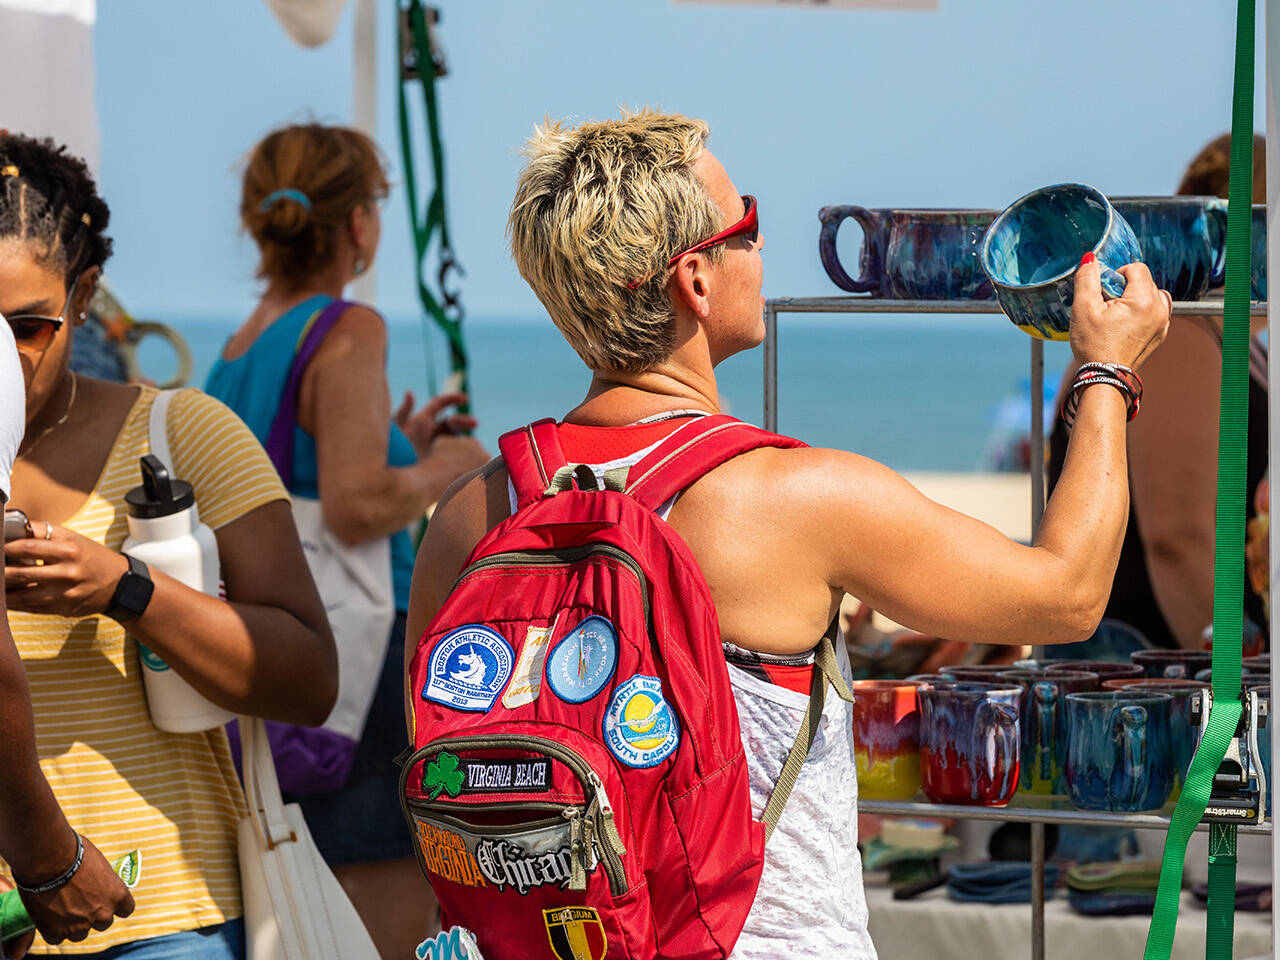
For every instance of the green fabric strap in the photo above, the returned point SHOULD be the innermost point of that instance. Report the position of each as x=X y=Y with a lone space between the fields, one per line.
x=826 y=669
x=1228 y=566
x=444 y=310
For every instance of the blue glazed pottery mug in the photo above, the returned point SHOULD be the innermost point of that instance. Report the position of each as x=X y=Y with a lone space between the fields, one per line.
x=1033 y=249
x=1184 y=735
x=910 y=254
x=1183 y=240
x=1119 y=750
x=1172 y=664
x=969 y=742
x=1258 y=252
x=1042 y=709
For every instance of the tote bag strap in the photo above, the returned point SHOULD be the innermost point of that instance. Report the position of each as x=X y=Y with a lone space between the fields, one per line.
x=261 y=788
x=159 y=428
x=279 y=442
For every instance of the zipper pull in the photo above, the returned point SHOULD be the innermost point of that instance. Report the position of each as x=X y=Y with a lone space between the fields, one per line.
x=610 y=829
x=577 y=855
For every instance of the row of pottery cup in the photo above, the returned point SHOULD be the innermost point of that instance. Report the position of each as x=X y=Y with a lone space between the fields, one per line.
x=1027 y=256
x=1105 y=735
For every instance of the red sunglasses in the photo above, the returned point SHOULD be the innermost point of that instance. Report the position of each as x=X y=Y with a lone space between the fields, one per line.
x=748 y=226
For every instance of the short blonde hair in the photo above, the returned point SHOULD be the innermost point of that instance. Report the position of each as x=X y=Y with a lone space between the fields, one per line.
x=603 y=204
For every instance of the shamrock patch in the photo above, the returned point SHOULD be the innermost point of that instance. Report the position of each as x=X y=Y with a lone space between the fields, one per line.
x=442 y=775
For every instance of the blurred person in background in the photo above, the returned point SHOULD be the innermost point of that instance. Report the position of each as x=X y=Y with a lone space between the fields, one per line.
x=172 y=802
x=310 y=202
x=1164 y=582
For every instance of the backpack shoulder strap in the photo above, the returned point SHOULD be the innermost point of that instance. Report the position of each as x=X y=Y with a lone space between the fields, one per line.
x=696 y=449
x=158 y=428
x=532 y=455
x=279 y=442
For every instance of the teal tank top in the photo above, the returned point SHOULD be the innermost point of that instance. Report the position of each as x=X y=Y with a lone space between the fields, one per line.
x=251 y=385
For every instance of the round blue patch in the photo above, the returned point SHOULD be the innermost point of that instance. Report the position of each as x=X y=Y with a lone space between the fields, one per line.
x=582 y=663
x=640 y=728
x=469 y=668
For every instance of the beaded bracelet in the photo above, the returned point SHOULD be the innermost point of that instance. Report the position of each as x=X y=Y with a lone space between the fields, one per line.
x=1123 y=378
x=59 y=881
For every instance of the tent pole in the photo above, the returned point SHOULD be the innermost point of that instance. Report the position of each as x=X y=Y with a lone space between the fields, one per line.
x=364 y=105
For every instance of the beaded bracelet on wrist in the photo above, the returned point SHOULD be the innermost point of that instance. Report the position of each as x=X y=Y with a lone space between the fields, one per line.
x=59 y=881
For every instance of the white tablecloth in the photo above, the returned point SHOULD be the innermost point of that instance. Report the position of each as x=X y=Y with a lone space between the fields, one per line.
x=935 y=927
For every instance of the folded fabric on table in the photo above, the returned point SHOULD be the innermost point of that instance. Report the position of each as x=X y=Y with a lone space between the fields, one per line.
x=1135 y=876
x=1112 y=904
x=876 y=854
x=1253 y=897
x=998 y=881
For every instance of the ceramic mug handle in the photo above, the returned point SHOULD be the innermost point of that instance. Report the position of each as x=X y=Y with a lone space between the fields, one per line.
x=1045 y=695
x=1113 y=283
x=994 y=718
x=1216 y=213
x=1131 y=722
x=872 y=261
x=1175 y=671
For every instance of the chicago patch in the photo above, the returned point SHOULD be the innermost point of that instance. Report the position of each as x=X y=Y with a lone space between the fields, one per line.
x=640 y=728
x=582 y=663
x=468 y=669
x=576 y=933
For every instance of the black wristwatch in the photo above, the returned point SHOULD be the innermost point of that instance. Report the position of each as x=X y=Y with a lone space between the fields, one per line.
x=133 y=592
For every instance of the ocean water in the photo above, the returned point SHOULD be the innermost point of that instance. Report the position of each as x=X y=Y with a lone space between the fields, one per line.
x=916 y=393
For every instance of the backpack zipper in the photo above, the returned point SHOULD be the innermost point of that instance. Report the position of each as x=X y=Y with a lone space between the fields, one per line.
x=597 y=820
x=563 y=557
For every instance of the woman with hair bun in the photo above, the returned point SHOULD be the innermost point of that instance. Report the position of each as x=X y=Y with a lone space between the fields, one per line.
x=166 y=803
x=310 y=201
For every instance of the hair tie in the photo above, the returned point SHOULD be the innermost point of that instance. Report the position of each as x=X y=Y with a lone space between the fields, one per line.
x=287 y=193
x=9 y=171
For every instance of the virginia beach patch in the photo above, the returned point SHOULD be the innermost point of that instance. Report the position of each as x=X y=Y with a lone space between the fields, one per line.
x=468 y=669
x=576 y=933
x=581 y=664
x=640 y=728
x=507 y=776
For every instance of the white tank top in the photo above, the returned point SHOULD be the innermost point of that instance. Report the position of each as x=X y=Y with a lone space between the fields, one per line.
x=810 y=904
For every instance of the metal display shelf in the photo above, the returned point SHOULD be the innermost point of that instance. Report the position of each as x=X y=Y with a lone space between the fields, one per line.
x=1036 y=816
x=1018 y=813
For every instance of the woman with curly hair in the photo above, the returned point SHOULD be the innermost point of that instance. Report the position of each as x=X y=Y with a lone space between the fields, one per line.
x=79 y=607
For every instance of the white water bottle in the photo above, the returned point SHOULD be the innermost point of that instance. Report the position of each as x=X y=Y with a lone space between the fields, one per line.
x=166 y=534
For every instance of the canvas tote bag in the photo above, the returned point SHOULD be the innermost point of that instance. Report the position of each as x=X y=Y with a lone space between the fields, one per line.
x=356 y=587
x=294 y=907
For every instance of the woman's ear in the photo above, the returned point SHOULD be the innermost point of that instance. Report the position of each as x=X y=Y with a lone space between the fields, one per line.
x=86 y=287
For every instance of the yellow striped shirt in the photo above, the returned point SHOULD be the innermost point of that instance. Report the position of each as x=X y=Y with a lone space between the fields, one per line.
x=125 y=785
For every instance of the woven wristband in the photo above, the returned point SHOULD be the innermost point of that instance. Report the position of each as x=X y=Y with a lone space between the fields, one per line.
x=1071 y=402
x=59 y=881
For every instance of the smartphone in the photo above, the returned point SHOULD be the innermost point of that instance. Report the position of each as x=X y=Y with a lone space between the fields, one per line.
x=16 y=525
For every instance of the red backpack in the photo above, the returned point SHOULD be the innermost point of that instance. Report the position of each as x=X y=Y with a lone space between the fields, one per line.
x=578 y=788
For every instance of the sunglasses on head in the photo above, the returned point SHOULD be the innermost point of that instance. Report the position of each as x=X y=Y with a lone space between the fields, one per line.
x=34 y=332
x=748 y=227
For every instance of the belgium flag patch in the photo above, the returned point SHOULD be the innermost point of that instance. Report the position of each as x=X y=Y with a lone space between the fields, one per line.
x=576 y=933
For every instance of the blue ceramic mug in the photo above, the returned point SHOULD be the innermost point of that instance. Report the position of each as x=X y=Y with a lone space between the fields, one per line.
x=969 y=742
x=1042 y=708
x=1034 y=247
x=1119 y=751
x=1183 y=240
x=1258 y=252
x=910 y=254
x=1264 y=742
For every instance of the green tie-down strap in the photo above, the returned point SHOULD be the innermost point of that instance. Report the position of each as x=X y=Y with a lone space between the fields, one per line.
x=1228 y=564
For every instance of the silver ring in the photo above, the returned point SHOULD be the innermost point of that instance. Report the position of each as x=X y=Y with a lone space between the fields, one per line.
x=48 y=530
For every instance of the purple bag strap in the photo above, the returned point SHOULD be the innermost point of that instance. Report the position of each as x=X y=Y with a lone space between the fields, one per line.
x=279 y=443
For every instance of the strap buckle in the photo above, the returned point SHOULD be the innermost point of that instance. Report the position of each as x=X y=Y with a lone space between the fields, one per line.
x=1238 y=794
x=410 y=62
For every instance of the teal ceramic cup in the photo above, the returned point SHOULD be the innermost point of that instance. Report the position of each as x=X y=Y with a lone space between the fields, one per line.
x=1119 y=750
x=1183 y=240
x=1032 y=252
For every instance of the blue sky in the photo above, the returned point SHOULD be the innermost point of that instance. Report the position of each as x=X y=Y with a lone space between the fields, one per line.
x=969 y=106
